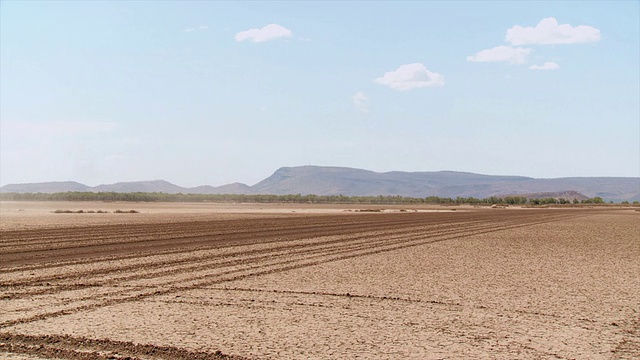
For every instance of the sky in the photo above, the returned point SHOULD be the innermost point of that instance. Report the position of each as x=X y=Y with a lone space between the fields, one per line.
x=219 y=92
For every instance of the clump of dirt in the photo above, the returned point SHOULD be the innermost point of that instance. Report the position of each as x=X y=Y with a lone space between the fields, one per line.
x=70 y=347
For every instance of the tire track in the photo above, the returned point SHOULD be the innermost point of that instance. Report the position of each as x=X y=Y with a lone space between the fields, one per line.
x=363 y=241
x=194 y=258
x=253 y=232
x=49 y=237
x=377 y=220
x=190 y=260
x=287 y=261
x=191 y=267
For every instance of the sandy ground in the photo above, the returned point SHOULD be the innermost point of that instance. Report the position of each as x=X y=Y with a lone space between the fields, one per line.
x=325 y=283
x=40 y=214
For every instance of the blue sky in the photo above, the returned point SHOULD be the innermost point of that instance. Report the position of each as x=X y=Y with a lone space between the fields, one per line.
x=218 y=92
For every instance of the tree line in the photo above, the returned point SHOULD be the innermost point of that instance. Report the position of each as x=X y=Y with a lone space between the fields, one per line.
x=291 y=198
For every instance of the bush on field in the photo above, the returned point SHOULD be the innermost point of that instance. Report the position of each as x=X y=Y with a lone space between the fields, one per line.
x=66 y=211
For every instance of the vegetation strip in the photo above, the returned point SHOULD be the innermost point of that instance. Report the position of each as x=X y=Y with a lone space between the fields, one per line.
x=290 y=198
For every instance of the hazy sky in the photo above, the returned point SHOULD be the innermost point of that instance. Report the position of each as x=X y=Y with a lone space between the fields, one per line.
x=212 y=93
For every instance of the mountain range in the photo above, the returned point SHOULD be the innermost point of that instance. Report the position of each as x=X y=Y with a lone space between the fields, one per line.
x=322 y=180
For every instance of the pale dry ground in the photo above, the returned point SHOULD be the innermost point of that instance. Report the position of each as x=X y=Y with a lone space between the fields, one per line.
x=40 y=214
x=489 y=283
x=560 y=290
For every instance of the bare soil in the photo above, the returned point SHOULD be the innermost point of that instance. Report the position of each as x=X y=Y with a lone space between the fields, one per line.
x=194 y=281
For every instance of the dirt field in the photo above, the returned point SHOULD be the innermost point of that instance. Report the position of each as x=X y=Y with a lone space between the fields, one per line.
x=197 y=281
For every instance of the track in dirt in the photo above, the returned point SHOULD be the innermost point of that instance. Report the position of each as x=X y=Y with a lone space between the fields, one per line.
x=69 y=244
x=70 y=270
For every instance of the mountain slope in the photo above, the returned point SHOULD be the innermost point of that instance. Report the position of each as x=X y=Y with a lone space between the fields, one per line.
x=235 y=188
x=46 y=187
x=322 y=180
x=347 y=181
x=141 y=186
x=356 y=182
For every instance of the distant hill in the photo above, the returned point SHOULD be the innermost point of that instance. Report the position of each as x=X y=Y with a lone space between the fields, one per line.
x=235 y=188
x=321 y=180
x=567 y=195
x=346 y=181
x=46 y=187
x=355 y=182
x=141 y=186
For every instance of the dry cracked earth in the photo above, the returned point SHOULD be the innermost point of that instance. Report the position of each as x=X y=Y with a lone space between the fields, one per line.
x=472 y=284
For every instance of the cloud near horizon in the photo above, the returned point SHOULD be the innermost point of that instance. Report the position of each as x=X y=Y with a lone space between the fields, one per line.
x=411 y=76
x=501 y=54
x=549 y=65
x=267 y=33
x=361 y=101
x=549 y=32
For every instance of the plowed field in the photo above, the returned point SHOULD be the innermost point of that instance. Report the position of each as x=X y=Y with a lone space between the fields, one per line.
x=491 y=283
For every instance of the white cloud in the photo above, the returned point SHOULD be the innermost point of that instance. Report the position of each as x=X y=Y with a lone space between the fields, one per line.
x=200 y=28
x=267 y=33
x=549 y=65
x=361 y=101
x=549 y=32
x=411 y=76
x=501 y=54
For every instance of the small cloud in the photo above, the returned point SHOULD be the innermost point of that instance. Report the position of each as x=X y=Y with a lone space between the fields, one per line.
x=267 y=33
x=549 y=65
x=549 y=32
x=361 y=101
x=501 y=54
x=411 y=76
x=199 y=28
